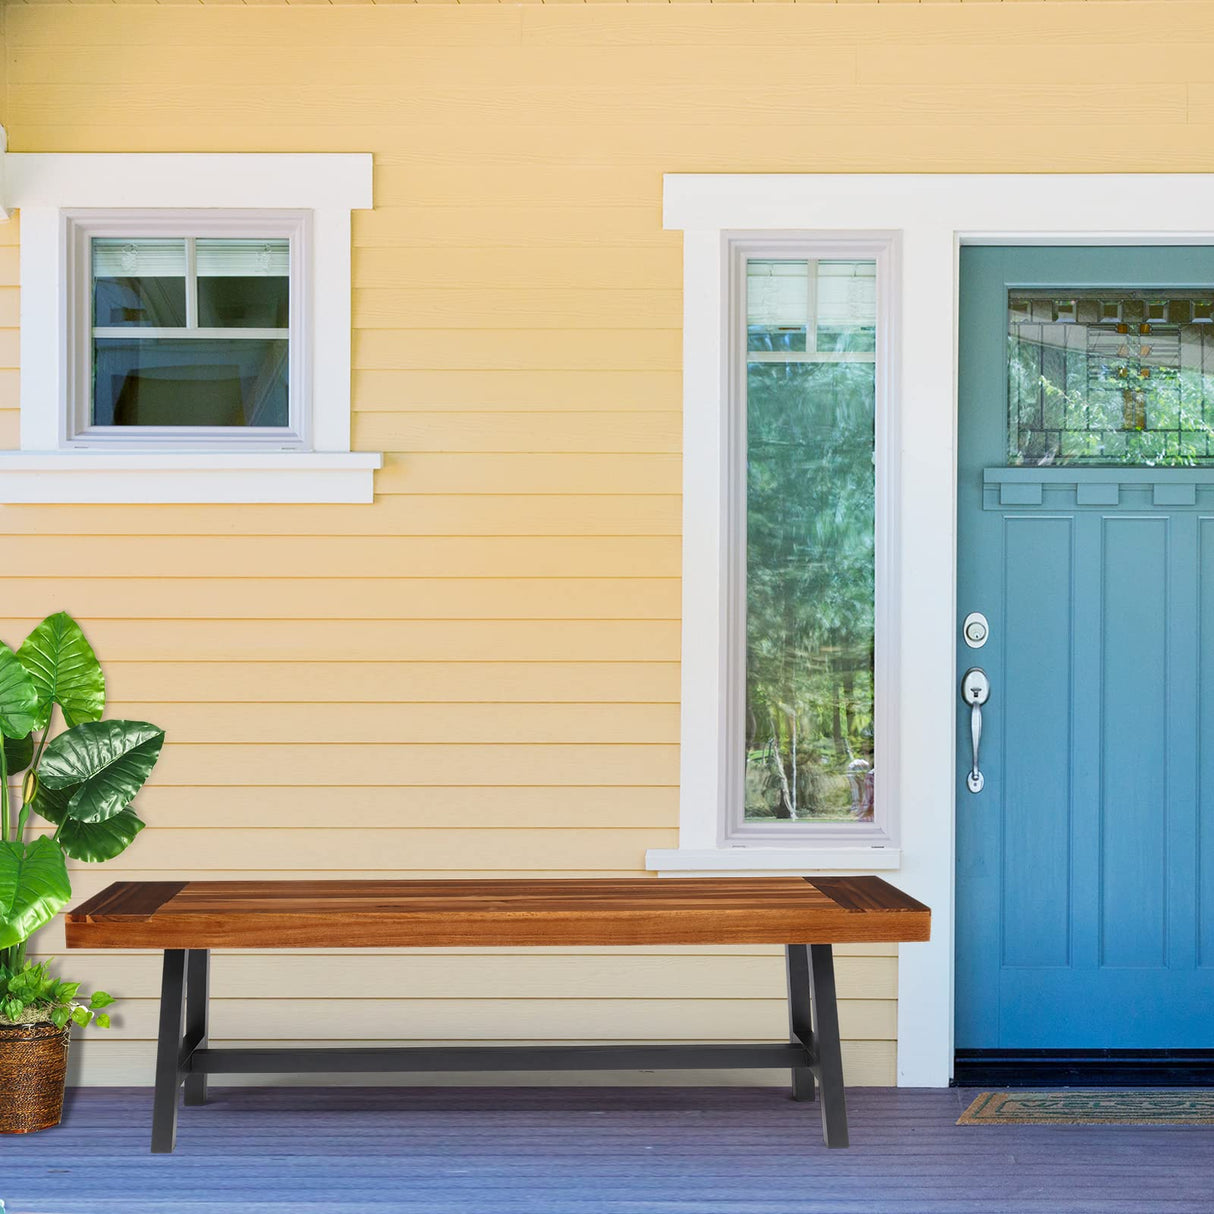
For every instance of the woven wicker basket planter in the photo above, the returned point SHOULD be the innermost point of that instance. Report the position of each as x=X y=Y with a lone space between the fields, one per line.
x=33 y=1068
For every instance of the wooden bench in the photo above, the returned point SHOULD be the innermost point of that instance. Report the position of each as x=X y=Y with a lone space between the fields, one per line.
x=188 y=919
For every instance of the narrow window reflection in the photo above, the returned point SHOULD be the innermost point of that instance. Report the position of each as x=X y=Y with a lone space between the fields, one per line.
x=810 y=407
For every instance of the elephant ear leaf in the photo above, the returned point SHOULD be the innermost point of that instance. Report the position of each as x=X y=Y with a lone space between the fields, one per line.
x=108 y=761
x=64 y=670
x=52 y=803
x=98 y=841
x=90 y=841
x=17 y=753
x=18 y=696
x=34 y=888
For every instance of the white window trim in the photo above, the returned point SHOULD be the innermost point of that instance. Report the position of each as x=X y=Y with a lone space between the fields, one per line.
x=935 y=214
x=47 y=188
x=711 y=839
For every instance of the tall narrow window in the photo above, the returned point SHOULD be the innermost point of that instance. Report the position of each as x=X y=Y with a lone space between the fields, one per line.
x=810 y=405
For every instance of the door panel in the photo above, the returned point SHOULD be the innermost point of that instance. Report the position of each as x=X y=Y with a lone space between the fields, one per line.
x=1085 y=894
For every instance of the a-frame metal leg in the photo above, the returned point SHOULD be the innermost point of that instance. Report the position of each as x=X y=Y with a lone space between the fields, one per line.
x=197 y=993
x=800 y=1021
x=168 y=1053
x=826 y=1044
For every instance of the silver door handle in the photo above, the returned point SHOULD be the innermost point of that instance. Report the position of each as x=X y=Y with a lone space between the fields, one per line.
x=975 y=691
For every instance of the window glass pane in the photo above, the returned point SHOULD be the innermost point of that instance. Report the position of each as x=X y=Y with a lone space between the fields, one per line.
x=190 y=382
x=243 y=284
x=138 y=282
x=1111 y=376
x=810 y=405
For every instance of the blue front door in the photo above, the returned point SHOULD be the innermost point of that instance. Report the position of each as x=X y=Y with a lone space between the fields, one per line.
x=1085 y=865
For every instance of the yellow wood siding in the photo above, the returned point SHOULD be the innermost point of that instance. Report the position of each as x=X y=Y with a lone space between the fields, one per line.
x=479 y=673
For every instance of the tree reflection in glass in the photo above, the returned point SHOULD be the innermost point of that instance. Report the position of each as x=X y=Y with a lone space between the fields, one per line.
x=811 y=393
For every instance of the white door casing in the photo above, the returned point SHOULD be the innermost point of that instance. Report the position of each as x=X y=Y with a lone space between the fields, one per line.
x=933 y=216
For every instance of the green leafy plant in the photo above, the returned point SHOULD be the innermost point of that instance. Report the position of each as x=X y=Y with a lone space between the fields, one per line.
x=81 y=782
x=33 y=994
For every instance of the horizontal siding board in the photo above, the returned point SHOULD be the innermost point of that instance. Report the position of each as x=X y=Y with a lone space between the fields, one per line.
x=517 y=473
x=501 y=1018
x=1036 y=146
x=488 y=976
x=188 y=27
x=458 y=307
x=465 y=765
x=829 y=25
x=520 y=349
x=394 y=682
x=10 y=302
x=9 y=352
x=388 y=640
x=290 y=599
x=345 y=557
x=419 y=67
x=595 y=433
x=332 y=724
x=993 y=63
x=439 y=852
x=621 y=267
x=300 y=105
x=316 y=806
x=405 y=391
x=1026 y=25
x=421 y=514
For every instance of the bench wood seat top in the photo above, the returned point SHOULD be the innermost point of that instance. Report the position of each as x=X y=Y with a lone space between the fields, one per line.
x=498 y=913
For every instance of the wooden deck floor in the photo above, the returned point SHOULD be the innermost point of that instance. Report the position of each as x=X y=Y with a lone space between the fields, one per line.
x=586 y=1151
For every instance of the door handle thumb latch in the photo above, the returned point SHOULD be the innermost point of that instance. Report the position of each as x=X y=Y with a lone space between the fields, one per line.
x=975 y=691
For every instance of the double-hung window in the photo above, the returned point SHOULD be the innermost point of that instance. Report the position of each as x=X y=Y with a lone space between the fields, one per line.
x=186 y=328
x=187 y=331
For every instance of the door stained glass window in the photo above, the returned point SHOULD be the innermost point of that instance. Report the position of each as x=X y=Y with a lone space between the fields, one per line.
x=1111 y=377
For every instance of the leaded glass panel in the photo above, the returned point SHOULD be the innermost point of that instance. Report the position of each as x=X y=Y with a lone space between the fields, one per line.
x=1111 y=377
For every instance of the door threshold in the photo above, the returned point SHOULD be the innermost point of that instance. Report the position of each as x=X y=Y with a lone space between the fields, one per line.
x=1083 y=1068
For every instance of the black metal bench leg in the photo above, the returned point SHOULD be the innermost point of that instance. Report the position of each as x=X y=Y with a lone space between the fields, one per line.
x=197 y=993
x=826 y=1044
x=168 y=1053
x=800 y=1021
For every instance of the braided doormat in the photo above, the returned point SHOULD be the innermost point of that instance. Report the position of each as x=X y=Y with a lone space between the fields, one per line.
x=1158 y=1106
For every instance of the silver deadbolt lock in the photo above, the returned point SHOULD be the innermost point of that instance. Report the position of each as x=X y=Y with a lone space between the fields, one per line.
x=975 y=630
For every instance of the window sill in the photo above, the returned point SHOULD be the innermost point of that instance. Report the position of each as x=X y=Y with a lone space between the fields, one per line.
x=769 y=861
x=158 y=478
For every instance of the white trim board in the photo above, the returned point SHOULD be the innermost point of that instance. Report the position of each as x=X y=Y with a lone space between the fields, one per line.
x=47 y=187
x=933 y=215
x=196 y=478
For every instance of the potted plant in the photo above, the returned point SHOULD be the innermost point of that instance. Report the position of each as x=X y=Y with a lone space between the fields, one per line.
x=80 y=783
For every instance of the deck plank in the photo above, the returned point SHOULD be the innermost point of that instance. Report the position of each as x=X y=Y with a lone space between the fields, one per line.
x=590 y=1150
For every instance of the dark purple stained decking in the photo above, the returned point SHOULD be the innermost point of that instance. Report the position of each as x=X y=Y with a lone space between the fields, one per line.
x=589 y=1151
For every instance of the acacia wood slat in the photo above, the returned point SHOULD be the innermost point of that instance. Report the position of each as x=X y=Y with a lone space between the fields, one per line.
x=340 y=914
